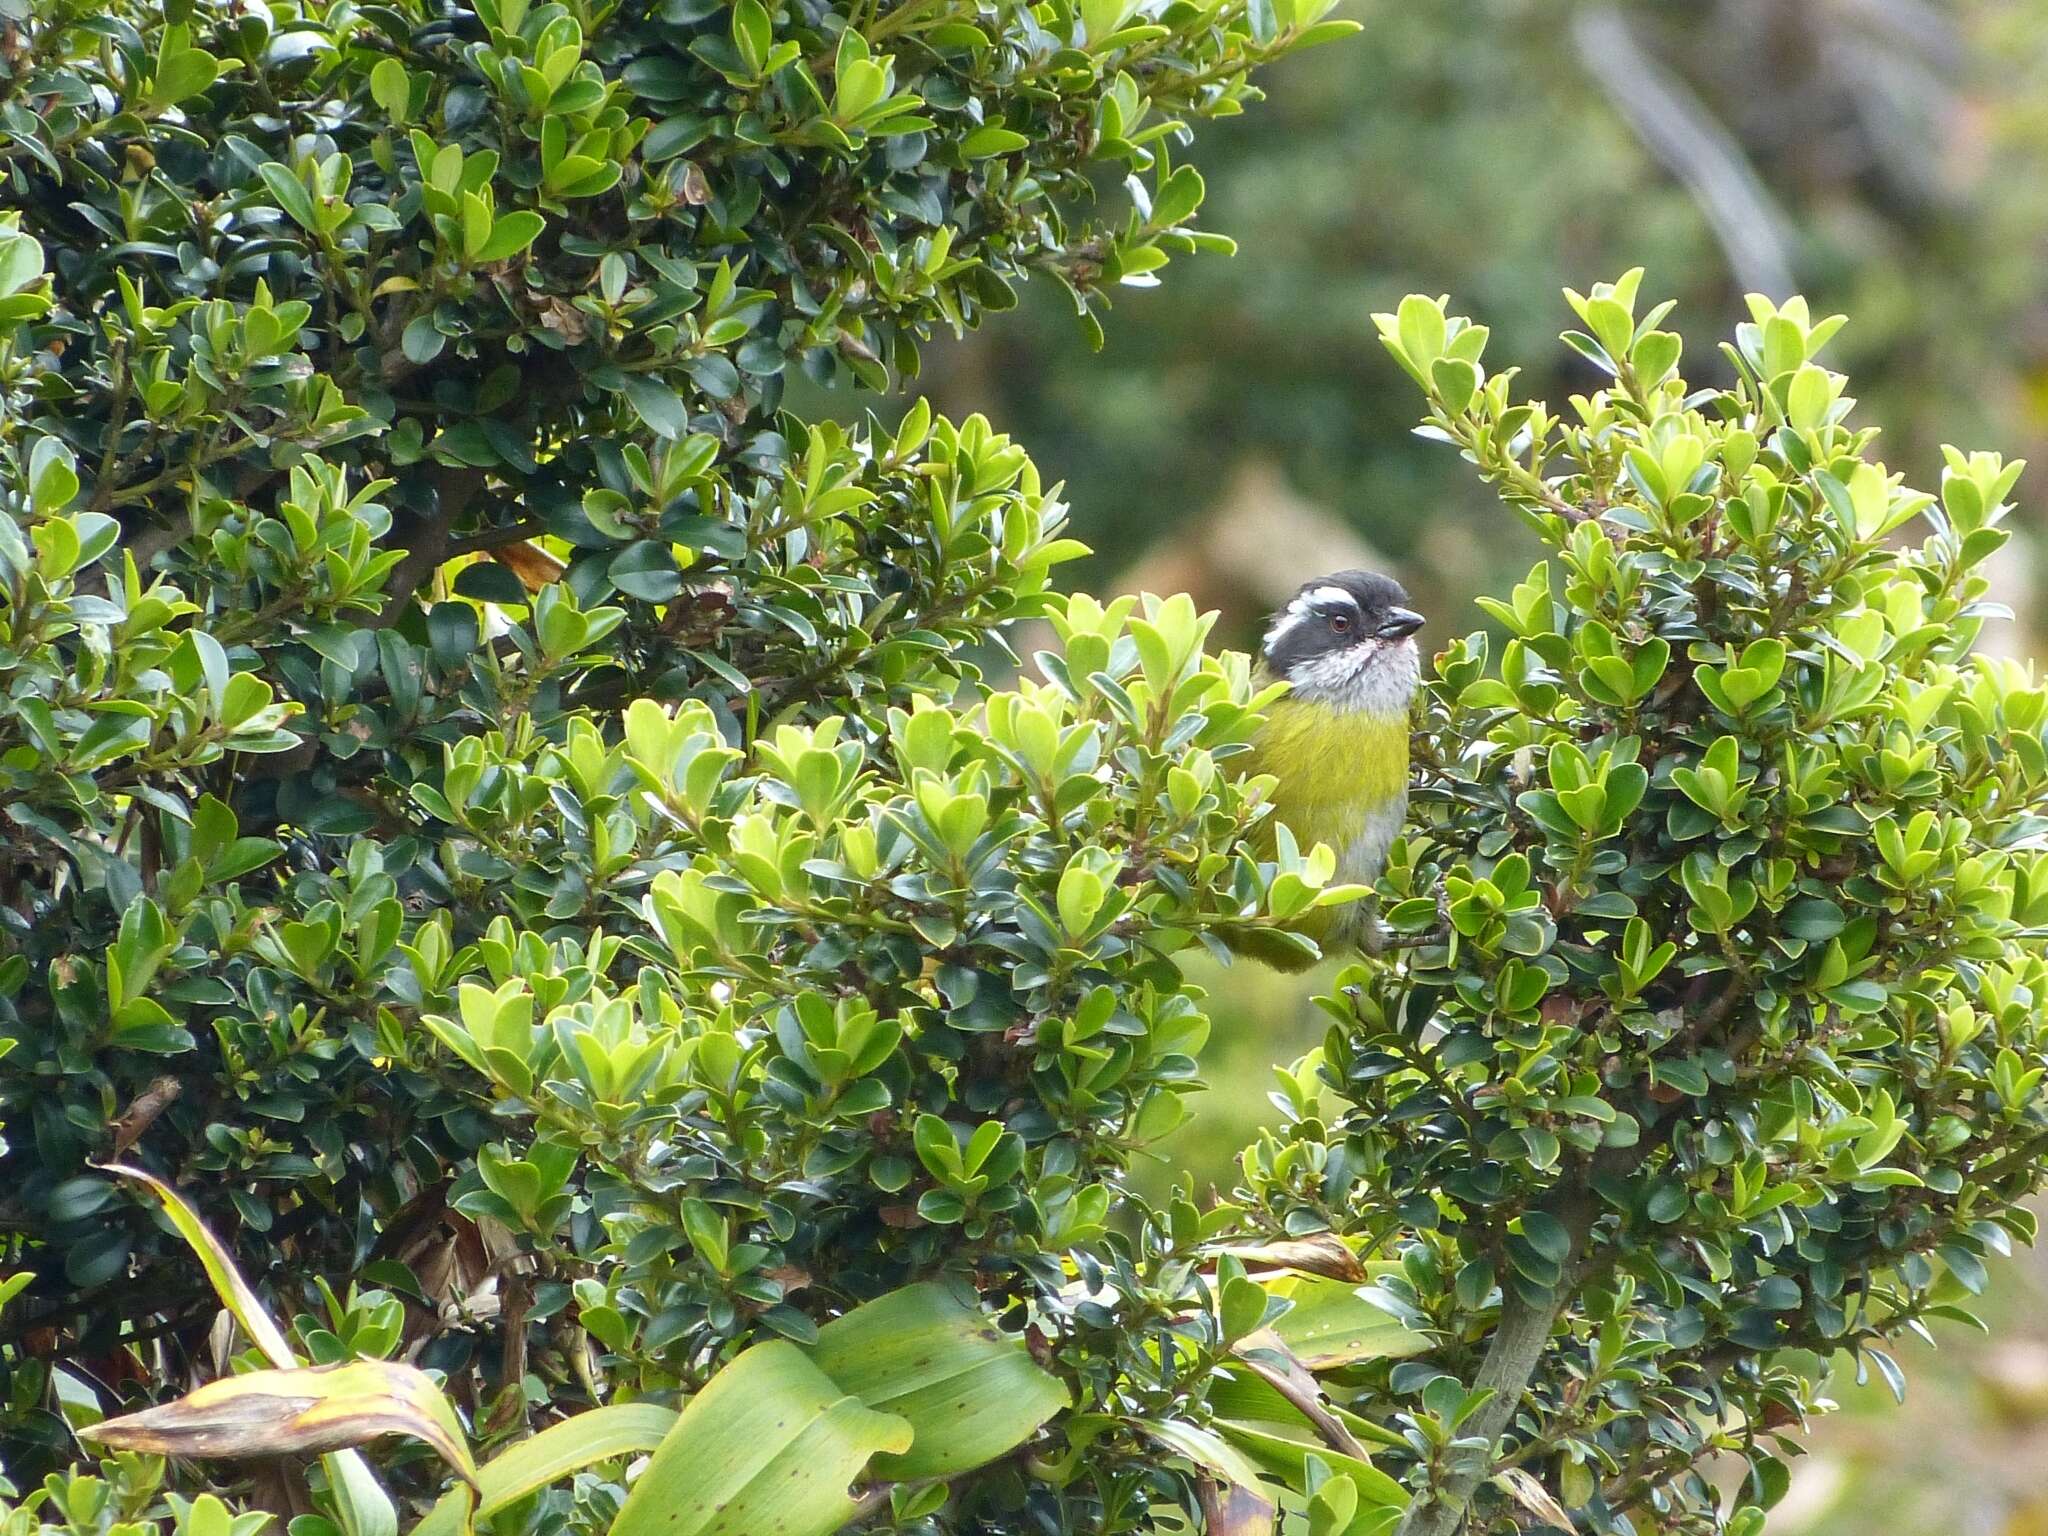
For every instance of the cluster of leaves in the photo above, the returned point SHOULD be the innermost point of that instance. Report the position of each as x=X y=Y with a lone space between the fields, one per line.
x=779 y=1434
x=1728 y=1057
x=1486 y=115
x=378 y=381
x=511 y=820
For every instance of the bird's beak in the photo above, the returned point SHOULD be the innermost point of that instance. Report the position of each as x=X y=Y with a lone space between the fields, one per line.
x=1398 y=623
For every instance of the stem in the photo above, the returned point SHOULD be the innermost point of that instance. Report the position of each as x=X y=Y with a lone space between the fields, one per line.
x=871 y=1500
x=426 y=536
x=1512 y=1356
x=497 y=538
x=117 y=417
x=1511 y=1359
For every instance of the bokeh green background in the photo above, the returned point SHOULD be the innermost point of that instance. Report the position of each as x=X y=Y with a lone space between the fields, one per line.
x=1243 y=429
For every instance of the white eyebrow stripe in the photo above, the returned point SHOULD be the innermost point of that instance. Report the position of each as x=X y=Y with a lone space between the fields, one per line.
x=1303 y=608
x=1288 y=617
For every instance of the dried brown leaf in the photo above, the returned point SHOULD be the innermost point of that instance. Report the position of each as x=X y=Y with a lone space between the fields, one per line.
x=276 y=1413
x=1533 y=1497
x=1322 y=1253
x=1267 y=1356
x=534 y=566
x=1228 y=1510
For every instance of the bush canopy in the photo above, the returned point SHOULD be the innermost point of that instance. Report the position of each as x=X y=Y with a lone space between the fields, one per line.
x=531 y=862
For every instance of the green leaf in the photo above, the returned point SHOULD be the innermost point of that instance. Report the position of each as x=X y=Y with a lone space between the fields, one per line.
x=1241 y=1307
x=21 y=261
x=109 y=737
x=182 y=74
x=1177 y=197
x=969 y=1391
x=657 y=405
x=1456 y=380
x=580 y=1441
x=421 y=341
x=1807 y=398
x=391 y=89
x=646 y=570
x=1422 y=330
x=291 y=194
x=991 y=140
x=510 y=234
x=598 y=1434
x=753 y=32
x=1282 y=1450
x=359 y=1499
x=1332 y=1324
x=771 y=1444
x=1207 y=1450
x=1814 y=918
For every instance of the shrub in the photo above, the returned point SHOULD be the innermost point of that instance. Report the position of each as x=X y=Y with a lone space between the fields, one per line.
x=514 y=824
x=1728 y=1061
x=501 y=813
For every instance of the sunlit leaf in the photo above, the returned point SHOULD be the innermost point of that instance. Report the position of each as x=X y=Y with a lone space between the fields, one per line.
x=969 y=1391
x=771 y=1444
x=1330 y=1325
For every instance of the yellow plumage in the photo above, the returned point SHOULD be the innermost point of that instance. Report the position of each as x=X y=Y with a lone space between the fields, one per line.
x=1335 y=745
x=1343 y=780
x=1336 y=767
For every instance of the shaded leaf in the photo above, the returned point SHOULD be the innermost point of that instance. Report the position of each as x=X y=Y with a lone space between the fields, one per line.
x=1206 y=1450
x=235 y=1293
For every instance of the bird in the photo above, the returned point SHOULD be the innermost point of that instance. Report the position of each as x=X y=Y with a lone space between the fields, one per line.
x=1337 y=741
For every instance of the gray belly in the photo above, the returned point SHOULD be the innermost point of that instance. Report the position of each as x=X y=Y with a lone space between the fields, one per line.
x=1365 y=856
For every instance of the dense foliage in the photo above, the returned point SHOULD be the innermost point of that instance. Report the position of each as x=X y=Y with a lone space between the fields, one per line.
x=1890 y=155
x=487 y=810
x=519 y=828
x=1731 y=1054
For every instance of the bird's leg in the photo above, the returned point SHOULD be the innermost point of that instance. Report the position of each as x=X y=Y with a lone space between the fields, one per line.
x=1373 y=937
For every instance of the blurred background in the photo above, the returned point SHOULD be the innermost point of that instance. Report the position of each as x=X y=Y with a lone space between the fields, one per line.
x=1244 y=430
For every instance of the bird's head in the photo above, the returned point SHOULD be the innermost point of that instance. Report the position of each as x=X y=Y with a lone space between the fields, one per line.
x=1347 y=640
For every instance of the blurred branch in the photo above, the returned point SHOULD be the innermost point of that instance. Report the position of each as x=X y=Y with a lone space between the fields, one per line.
x=1902 y=60
x=1914 y=27
x=1676 y=127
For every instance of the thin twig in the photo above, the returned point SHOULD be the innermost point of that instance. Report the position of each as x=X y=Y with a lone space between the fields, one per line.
x=497 y=538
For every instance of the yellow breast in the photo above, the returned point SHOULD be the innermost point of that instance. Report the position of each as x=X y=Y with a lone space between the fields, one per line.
x=1335 y=767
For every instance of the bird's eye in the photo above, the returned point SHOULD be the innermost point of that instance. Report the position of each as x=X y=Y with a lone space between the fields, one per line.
x=1340 y=623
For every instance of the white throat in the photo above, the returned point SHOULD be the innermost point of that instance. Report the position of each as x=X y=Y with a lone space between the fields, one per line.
x=1377 y=677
